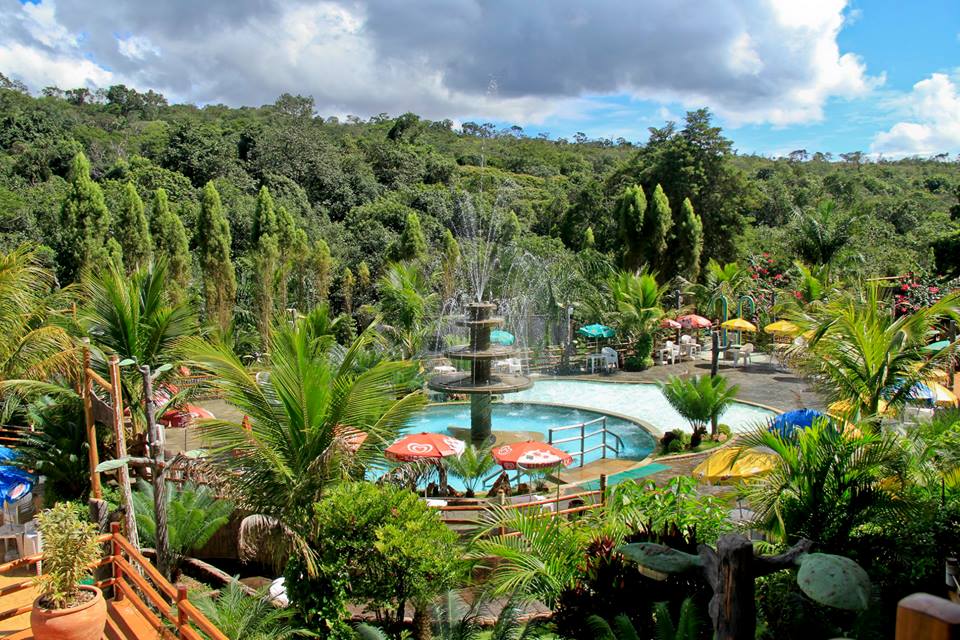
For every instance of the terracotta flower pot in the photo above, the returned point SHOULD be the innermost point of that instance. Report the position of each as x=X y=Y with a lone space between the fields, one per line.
x=83 y=622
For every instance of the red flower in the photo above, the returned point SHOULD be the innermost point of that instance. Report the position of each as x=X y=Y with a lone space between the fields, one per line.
x=934 y=289
x=797 y=295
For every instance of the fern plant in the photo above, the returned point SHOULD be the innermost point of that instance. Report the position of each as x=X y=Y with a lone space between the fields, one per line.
x=686 y=628
x=241 y=616
x=194 y=515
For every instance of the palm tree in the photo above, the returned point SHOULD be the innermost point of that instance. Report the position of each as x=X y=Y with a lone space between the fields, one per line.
x=303 y=418
x=700 y=399
x=822 y=232
x=31 y=347
x=719 y=281
x=544 y=558
x=826 y=483
x=56 y=446
x=135 y=318
x=240 y=616
x=407 y=302
x=471 y=466
x=863 y=357
x=194 y=515
x=636 y=299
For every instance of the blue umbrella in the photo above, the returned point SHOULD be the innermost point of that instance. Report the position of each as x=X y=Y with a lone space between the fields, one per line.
x=787 y=423
x=7 y=454
x=502 y=337
x=597 y=331
x=919 y=392
x=14 y=483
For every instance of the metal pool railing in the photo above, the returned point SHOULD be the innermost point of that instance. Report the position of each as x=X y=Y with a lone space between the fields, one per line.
x=583 y=436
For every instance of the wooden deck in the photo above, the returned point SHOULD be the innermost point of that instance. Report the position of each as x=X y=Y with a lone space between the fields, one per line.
x=142 y=604
x=124 y=622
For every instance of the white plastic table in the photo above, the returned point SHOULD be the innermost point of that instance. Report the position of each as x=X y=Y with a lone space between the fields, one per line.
x=593 y=359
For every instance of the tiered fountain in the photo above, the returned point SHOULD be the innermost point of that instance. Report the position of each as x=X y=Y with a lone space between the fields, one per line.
x=479 y=383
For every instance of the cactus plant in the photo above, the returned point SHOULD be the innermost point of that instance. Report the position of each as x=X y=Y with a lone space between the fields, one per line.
x=730 y=570
x=834 y=581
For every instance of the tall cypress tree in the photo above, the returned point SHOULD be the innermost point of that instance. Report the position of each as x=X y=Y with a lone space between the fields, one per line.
x=411 y=245
x=84 y=223
x=216 y=266
x=631 y=213
x=133 y=231
x=322 y=271
x=170 y=243
x=363 y=274
x=346 y=289
x=510 y=228
x=266 y=259
x=588 y=240
x=687 y=242
x=264 y=218
x=292 y=242
x=656 y=228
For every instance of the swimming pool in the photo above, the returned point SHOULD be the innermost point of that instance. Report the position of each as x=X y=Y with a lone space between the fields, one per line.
x=637 y=443
x=639 y=401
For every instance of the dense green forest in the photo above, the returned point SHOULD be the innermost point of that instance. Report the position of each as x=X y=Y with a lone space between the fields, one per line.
x=320 y=205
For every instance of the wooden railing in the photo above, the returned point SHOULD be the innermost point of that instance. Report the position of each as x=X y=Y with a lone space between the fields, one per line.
x=470 y=516
x=162 y=605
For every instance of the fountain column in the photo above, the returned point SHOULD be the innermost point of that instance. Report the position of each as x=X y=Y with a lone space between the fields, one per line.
x=480 y=383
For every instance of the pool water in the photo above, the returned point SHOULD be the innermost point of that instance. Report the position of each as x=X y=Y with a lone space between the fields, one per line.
x=636 y=400
x=637 y=443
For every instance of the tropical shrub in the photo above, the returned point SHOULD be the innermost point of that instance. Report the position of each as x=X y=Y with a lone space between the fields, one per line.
x=379 y=546
x=701 y=400
x=826 y=483
x=194 y=515
x=471 y=467
x=636 y=300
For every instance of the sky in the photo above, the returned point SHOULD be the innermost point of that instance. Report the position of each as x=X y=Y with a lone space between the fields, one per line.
x=879 y=76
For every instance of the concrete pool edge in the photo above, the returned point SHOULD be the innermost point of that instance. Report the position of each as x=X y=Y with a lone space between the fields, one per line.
x=587 y=378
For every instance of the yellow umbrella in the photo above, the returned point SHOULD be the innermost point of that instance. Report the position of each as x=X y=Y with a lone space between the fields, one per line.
x=782 y=327
x=842 y=408
x=738 y=324
x=735 y=463
x=942 y=396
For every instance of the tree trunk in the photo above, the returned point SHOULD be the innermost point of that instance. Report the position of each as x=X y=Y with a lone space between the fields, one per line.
x=730 y=572
x=123 y=473
x=714 y=352
x=421 y=622
x=159 y=481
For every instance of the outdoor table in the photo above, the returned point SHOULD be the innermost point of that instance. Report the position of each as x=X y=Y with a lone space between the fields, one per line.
x=445 y=368
x=689 y=349
x=671 y=353
x=732 y=352
x=593 y=359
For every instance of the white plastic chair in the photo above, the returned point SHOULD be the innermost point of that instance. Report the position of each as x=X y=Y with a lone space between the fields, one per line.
x=514 y=366
x=611 y=359
x=745 y=353
x=671 y=351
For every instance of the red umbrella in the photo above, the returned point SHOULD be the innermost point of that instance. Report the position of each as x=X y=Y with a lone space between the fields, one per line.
x=693 y=321
x=667 y=323
x=352 y=438
x=424 y=446
x=530 y=455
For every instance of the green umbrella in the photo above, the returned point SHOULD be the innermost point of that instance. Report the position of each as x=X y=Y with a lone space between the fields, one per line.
x=597 y=331
x=937 y=346
x=502 y=337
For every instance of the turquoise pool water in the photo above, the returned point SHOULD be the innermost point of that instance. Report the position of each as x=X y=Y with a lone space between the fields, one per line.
x=639 y=401
x=637 y=443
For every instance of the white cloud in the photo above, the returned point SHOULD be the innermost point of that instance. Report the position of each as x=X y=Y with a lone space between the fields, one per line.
x=934 y=124
x=751 y=61
x=43 y=68
x=136 y=47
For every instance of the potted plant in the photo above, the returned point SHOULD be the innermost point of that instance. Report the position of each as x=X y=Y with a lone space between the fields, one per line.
x=66 y=609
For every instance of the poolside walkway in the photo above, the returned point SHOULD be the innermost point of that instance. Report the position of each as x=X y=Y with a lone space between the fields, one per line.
x=759 y=382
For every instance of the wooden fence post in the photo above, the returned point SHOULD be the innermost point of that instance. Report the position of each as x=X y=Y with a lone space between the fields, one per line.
x=182 y=620
x=603 y=489
x=115 y=551
x=922 y=616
